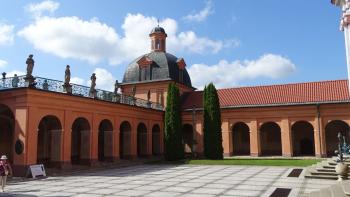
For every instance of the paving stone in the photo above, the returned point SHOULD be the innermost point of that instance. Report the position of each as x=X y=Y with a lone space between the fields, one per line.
x=236 y=192
x=162 y=194
x=177 y=189
x=170 y=180
x=133 y=193
x=208 y=191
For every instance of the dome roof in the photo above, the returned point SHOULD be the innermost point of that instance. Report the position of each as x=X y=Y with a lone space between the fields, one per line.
x=164 y=66
x=158 y=30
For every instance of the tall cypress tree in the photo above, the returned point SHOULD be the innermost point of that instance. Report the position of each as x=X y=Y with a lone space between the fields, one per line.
x=173 y=133
x=212 y=124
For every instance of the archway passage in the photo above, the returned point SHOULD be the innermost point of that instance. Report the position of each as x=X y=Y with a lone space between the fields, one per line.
x=105 y=141
x=80 y=147
x=303 y=139
x=156 y=140
x=241 y=139
x=7 y=130
x=332 y=130
x=187 y=137
x=125 y=140
x=270 y=139
x=49 y=141
x=141 y=140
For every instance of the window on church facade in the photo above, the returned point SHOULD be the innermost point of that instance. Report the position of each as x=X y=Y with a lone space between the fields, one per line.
x=157 y=44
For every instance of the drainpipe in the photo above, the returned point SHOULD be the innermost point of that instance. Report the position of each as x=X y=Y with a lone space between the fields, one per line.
x=319 y=126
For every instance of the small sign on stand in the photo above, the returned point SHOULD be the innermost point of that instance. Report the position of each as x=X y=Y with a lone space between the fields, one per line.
x=37 y=170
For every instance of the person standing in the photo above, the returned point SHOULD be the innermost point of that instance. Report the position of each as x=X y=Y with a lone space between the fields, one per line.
x=5 y=170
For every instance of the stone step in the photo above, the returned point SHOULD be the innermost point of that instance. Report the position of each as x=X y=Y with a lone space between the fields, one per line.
x=321 y=177
x=313 y=172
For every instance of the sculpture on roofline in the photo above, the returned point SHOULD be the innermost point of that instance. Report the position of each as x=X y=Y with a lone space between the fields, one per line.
x=66 y=86
x=93 y=85
x=116 y=87
x=67 y=75
x=30 y=65
x=29 y=79
x=133 y=91
x=149 y=95
x=15 y=81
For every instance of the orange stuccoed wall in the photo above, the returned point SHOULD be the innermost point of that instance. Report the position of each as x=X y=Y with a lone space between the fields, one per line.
x=29 y=106
x=319 y=117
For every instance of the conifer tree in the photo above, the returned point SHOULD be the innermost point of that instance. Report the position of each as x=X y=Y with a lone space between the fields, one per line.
x=212 y=124
x=173 y=146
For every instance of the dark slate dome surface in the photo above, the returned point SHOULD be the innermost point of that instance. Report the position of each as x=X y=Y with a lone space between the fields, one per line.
x=164 y=67
x=158 y=30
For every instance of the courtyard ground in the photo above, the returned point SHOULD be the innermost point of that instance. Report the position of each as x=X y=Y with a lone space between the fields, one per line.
x=170 y=180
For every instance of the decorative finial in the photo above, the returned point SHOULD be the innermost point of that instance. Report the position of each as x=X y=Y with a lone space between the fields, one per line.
x=157 y=22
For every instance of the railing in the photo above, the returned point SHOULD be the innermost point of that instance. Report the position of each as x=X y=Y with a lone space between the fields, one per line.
x=77 y=90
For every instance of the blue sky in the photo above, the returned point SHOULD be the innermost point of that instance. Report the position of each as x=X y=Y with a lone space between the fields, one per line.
x=229 y=42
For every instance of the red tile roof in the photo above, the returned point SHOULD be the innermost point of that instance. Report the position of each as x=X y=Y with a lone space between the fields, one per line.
x=299 y=93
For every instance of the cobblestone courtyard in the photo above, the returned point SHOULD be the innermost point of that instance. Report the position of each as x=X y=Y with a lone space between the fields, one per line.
x=170 y=180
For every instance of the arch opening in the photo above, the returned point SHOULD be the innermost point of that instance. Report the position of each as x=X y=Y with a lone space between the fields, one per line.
x=303 y=139
x=141 y=140
x=105 y=141
x=125 y=140
x=156 y=140
x=240 y=139
x=270 y=139
x=49 y=141
x=7 y=131
x=80 y=146
x=332 y=130
x=187 y=138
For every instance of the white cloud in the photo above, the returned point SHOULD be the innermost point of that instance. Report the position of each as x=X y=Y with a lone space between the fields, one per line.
x=37 y=9
x=77 y=80
x=6 y=34
x=95 y=41
x=228 y=74
x=104 y=79
x=13 y=72
x=201 y=15
x=3 y=63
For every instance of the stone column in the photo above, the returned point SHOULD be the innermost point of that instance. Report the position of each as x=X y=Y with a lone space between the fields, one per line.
x=32 y=136
x=226 y=140
x=287 y=149
x=255 y=149
x=319 y=138
x=116 y=140
x=21 y=133
x=133 y=144
x=149 y=140
x=94 y=142
x=67 y=140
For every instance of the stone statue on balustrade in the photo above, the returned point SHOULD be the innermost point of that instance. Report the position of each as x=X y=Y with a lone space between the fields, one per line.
x=15 y=81
x=66 y=86
x=29 y=79
x=116 y=96
x=92 y=92
x=149 y=103
x=30 y=65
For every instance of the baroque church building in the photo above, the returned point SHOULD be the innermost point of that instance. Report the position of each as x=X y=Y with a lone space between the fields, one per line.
x=44 y=121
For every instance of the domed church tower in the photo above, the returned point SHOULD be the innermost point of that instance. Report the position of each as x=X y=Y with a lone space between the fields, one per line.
x=152 y=72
